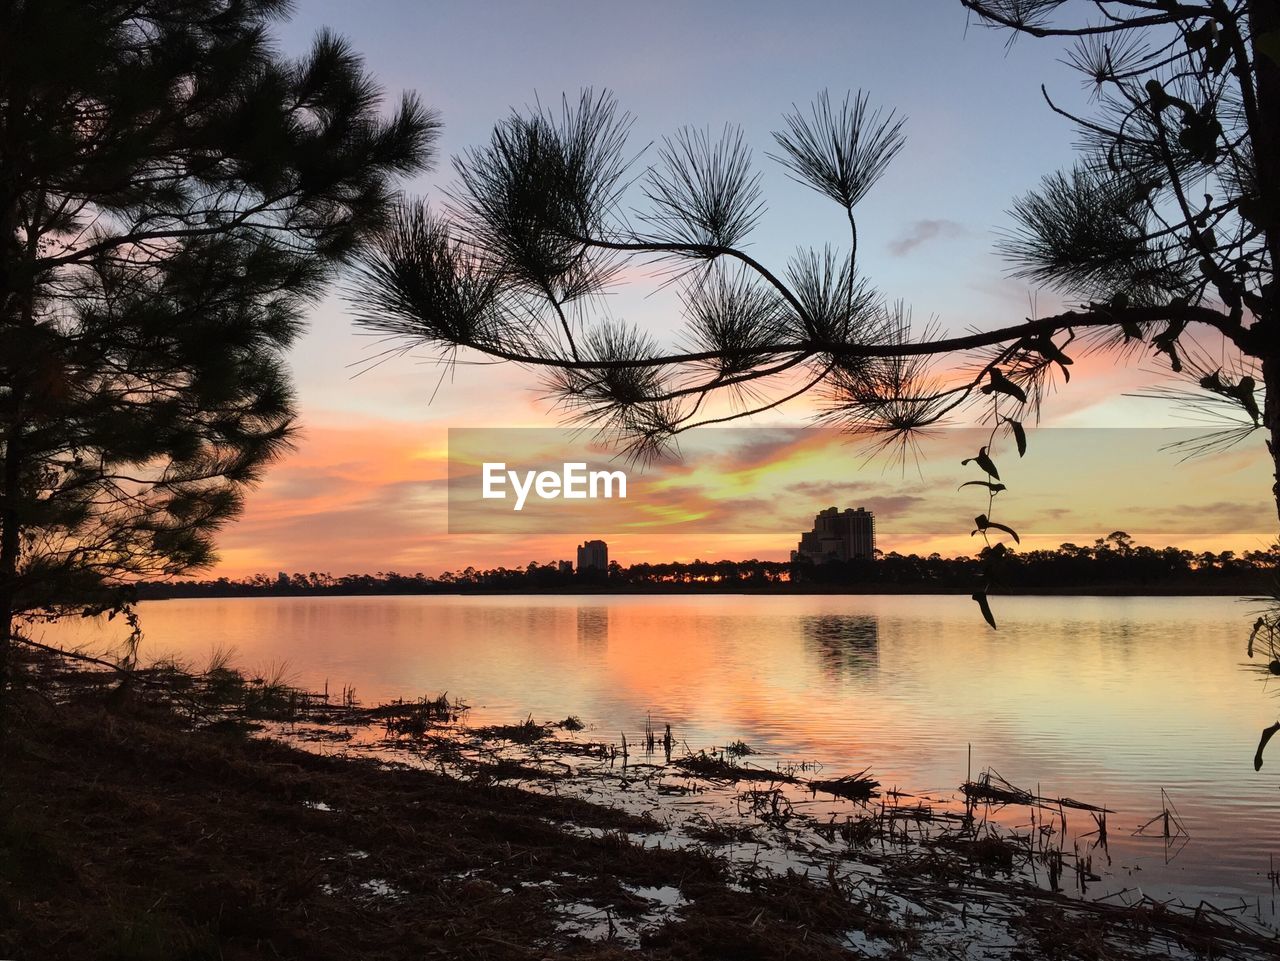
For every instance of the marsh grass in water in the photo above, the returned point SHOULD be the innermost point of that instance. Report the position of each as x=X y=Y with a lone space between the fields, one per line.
x=415 y=718
x=527 y=731
x=854 y=787
x=714 y=767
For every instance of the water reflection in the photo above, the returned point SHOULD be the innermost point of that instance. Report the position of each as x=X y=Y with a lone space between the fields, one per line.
x=846 y=645
x=593 y=629
x=1060 y=697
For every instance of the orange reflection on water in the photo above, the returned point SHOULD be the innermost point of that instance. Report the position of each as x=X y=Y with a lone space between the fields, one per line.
x=1106 y=700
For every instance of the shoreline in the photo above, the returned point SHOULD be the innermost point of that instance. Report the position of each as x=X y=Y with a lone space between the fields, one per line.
x=148 y=802
x=1244 y=590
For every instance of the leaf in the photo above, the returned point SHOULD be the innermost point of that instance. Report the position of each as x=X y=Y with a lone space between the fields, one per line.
x=1217 y=57
x=1257 y=625
x=1203 y=36
x=1267 y=734
x=1199 y=135
x=1167 y=341
x=1045 y=346
x=985 y=523
x=990 y=618
x=1158 y=98
x=1212 y=382
x=1002 y=384
x=1243 y=392
x=1008 y=530
x=1019 y=436
x=983 y=461
x=994 y=488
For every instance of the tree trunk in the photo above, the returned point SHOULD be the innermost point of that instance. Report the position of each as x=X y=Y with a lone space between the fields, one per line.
x=10 y=547
x=10 y=540
x=16 y=312
x=1264 y=19
x=1271 y=421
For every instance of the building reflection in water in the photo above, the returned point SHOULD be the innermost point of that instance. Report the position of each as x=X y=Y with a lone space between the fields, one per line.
x=593 y=629
x=846 y=645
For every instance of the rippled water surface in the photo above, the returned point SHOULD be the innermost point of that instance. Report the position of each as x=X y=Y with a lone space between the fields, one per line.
x=1106 y=700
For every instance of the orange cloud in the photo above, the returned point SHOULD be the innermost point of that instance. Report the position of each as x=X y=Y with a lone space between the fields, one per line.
x=365 y=494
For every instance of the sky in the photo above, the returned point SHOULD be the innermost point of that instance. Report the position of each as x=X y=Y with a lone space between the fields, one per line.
x=365 y=490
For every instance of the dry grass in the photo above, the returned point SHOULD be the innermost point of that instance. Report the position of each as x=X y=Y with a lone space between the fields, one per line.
x=852 y=787
x=527 y=731
x=715 y=768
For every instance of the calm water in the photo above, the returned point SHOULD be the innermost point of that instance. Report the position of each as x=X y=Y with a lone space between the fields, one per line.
x=1106 y=700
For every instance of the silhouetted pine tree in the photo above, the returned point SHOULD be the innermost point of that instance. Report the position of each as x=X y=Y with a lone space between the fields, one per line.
x=173 y=193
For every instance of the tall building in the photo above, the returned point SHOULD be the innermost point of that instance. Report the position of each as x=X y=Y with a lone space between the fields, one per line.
x=838 y=536
x=593 y=555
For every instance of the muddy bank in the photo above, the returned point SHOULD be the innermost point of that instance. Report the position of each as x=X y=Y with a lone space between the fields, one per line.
x=159 y=814
x=126 y=835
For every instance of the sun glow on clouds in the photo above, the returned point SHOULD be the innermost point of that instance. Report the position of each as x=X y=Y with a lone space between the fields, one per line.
x=364 y=493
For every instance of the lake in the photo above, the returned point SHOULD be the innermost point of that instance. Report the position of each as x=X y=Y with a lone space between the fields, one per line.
x=1106 y=700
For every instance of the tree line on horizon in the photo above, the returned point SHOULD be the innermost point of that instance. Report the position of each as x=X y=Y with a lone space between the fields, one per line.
x=1111 y=561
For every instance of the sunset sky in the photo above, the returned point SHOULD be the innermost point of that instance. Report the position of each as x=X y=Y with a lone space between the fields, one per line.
x=365 y=490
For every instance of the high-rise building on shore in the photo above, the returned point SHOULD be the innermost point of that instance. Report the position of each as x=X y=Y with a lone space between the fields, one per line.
x=593 y=555
x=838 y=536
